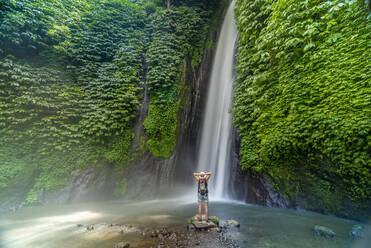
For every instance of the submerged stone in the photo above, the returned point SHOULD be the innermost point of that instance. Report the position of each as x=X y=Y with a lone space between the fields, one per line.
x=357 y=232
x=231 y=223
x=121 y=245
x=323 y=231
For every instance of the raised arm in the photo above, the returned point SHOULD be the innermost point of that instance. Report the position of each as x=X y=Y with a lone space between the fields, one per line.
x=208 y=175
x=196 y=175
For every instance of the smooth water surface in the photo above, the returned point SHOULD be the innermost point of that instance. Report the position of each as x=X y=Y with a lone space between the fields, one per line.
x=56 y=226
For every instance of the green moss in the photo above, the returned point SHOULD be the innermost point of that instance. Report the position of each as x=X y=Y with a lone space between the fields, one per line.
x=120 y=189
x=214 y=219
x=189 y=221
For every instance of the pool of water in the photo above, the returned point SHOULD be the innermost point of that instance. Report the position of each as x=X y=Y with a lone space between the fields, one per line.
x=261 y=227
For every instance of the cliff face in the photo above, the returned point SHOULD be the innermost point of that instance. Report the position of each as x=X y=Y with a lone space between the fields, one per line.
x=151 y=177
x=175 y=174
x=70 y=94
x=146 y=177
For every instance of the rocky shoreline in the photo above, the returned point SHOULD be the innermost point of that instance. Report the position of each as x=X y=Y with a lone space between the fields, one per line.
x=193 y=235
x=128 y=236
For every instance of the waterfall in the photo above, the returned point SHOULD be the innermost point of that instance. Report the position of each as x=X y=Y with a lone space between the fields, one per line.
x=215 y=144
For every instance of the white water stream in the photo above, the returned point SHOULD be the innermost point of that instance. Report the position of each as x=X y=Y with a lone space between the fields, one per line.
x=215 y=143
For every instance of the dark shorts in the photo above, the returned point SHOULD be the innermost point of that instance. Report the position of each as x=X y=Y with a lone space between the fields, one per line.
x=203 y=198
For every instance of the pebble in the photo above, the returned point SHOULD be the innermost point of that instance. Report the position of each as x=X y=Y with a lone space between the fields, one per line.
x=121 y=245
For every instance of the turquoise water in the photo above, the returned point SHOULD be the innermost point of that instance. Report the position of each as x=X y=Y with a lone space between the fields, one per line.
x=261 y=227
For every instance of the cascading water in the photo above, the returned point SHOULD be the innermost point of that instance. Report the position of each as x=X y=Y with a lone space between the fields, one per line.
x=215 y=145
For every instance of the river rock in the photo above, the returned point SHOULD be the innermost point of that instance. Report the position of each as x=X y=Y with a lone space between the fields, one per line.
x=357 y=232
x=231 y=223
x=190 y=227
x=203 y=225
x=323 y=231
x=121 y=245
x=173 y=237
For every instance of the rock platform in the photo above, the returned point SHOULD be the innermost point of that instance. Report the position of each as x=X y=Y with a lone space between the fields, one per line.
x=193 y=222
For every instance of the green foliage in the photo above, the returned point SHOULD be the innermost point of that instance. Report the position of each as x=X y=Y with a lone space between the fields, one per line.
x=178 y=32
x=160 y=126
x=303 y=95
x=71 y=82
x=120 y=189
x=214 y=219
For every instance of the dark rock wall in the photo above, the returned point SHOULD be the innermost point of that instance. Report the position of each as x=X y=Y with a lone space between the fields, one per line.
x=150 y=177
x=249 y=186
x=94 y=184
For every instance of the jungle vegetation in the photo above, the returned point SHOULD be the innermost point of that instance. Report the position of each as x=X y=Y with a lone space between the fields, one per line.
x=72 y=76
x=302 y=102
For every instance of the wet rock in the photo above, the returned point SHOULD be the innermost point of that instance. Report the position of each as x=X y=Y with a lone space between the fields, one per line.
x=164 y=231
x=323 y=231
x=93 y=184
x=214 y=219
x=173 y=237
x=122 y=245
x=357 y=232
x=202 y=225
x=190 y=227
x=231 y=223
x=90 y=227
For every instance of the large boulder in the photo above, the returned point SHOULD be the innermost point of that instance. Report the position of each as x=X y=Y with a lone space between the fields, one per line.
x=203 y=224
x=231 y=223
x=323 y=231
x=357 y=232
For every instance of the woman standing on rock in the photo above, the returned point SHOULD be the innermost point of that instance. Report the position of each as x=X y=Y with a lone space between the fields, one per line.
x=203 y=193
